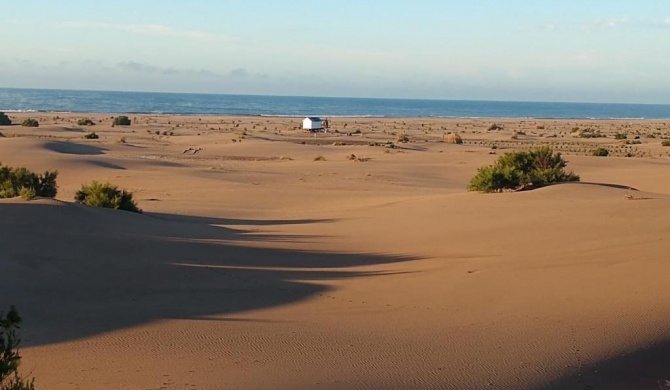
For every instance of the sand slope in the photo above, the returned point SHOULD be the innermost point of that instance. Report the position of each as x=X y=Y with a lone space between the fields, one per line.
x=257 y=267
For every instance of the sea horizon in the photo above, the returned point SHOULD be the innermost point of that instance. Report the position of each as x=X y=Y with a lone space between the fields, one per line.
x=44 y=100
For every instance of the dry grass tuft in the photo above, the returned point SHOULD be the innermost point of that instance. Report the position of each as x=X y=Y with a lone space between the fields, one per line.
x=453 y=138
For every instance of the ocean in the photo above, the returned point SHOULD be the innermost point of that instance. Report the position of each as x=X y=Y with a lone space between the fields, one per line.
x=72 y=101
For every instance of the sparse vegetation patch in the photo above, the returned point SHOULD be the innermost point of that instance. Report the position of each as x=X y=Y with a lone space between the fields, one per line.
x=601 y=152
x=30 y=122
x=522 y=170
x=106 y=195
x=121 y=121
x=85 y=122
x=21 y=181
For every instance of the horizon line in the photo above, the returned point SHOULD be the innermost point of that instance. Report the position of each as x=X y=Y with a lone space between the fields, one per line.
x=332 y=97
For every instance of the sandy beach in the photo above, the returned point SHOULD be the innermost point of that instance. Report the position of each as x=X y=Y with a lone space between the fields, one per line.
x=272 y=258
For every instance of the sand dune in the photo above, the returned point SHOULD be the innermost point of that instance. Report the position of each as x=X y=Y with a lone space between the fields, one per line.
x=256 y=267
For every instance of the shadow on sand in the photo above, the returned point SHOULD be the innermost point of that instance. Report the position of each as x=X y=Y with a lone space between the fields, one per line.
x=74 y=148
x=75 y=271
x=644 y=368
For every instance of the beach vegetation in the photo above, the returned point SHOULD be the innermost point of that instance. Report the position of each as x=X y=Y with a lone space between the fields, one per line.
x=665 y=142
x=620 y=136
x=522 y=170
x=30 y=122
x=85 y=122
x=601 y=152
x=121 y=121
x=91 y=135
x=319 y=158
x=10 y=379
x=4 y=119
x=106 y=195
x=453 y=138
x=21 y=181
x=587 y=133
x=402 y=138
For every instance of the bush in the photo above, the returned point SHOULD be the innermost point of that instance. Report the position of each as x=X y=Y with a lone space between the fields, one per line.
x=30 y=122
x=121 y=121
x=20 y=181
x=402 y=138
x=453 y=138
x=106 y=195
x=522 y=170
x=620 y=136
x=587 y=133
x=9 y=354
x=601 y=152
x=4 y=119
x=27 y=193
x=665 y=142
x=91 y=135
x=85 y=122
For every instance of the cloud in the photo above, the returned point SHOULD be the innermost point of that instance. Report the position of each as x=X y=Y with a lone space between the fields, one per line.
x=616 y=22
x=627 y=22
x=153 y=30
x=239 y=72
x=143 y=68
x=138 y=67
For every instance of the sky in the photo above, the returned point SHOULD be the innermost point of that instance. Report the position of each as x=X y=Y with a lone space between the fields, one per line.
x=531 y=50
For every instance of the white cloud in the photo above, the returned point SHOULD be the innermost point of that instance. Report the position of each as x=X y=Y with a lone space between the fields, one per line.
x=154 y=30
x=627 y=22
x=612 y=22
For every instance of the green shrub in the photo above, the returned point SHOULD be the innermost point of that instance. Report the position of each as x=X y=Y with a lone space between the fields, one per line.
x=27 y=193
x=85 y=122
x=601 y=152
x=665 y=142
x=521 y=170
x=121 y=121
x=620 y=136
x=19 y=181
x=106 y=195
x=30 y=122
x=91 y=135
x=9 y=353
x=4 y=119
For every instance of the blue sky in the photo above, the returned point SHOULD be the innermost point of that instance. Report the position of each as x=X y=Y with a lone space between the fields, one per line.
x=584 y=51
